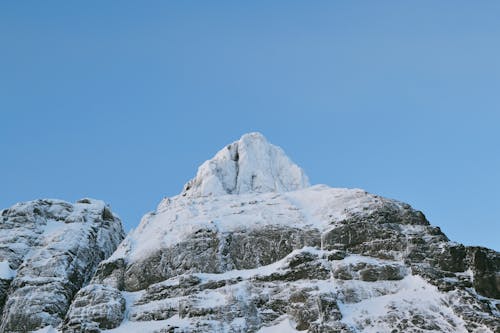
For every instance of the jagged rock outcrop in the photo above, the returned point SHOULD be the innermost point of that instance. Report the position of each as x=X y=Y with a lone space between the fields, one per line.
x=49 y=249
x=248 y=246
x=97 y=306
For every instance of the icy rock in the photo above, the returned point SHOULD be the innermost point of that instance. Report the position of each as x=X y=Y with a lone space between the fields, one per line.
x=100 y=306
x=54 y=248
x=250 y=165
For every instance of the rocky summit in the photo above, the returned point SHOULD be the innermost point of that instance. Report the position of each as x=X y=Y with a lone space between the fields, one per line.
x=247 y=246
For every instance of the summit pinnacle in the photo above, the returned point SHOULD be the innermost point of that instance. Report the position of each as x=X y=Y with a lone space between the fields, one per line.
x=249 y=165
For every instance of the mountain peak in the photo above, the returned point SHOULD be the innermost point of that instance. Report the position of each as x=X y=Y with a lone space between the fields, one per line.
x=249 y=165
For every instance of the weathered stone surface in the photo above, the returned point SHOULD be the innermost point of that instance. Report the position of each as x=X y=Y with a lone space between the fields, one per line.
x=208 y=252
x=4 y=286
x=260 y=247
x=485 y=265
x=96 y=307
x=452 y=258
x=370 y=272
x=54 y=247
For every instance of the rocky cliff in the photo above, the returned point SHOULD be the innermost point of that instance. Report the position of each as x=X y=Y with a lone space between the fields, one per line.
x=49 y=249
x=249 y=246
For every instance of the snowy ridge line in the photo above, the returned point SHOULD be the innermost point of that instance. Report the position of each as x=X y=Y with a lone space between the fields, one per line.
x=316 y=207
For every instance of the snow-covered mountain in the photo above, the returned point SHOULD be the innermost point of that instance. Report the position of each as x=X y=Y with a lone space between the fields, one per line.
x=250 y=246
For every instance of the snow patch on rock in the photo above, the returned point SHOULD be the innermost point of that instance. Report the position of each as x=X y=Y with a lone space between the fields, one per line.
x=284 y=326
x=6 y=273
x=412 y=295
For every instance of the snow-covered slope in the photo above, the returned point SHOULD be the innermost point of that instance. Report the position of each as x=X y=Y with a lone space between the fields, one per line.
x=248 y=246
x=48 y=250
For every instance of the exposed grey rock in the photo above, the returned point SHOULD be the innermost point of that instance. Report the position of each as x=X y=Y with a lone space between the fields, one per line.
x=55 y=247
x=209 y=252
x=370 y=272
x=99 y=306
x=485 y=265
x=4 y=286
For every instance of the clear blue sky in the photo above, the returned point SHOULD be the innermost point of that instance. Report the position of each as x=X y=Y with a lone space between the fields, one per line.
x=122 y=100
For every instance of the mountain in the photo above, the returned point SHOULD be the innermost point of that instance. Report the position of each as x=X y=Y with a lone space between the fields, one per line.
x=49 y=249
x=250 y=246
x=247 y=246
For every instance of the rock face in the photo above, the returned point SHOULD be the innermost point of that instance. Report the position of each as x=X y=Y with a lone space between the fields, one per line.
x=49 y=249
x=248 y=246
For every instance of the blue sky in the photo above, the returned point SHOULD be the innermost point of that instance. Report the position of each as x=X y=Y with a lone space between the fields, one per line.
x=122 y=100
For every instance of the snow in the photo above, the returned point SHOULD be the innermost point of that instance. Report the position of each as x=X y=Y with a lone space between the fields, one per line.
x=320 y=203
x=250 y=165
x=46 y=329
x=53 y=226
x=318 y=207
x=6 y=273
x=150 y=326
x=284 y=326
x=410 y=295
x=356 y=259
